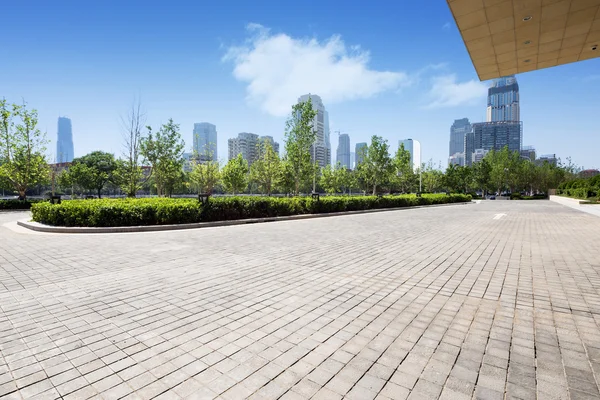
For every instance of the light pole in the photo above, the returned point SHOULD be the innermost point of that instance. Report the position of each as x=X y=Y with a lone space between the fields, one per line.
x=315 y=168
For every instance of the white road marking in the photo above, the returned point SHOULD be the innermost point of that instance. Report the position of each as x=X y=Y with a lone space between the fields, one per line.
x=498 y=216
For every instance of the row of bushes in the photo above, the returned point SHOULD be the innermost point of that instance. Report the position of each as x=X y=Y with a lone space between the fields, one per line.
x=580 y=193
x=17 y=204
x=519 y=196
x=160 y=211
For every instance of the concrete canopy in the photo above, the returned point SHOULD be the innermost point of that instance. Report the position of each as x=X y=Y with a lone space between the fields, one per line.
x=506 y=37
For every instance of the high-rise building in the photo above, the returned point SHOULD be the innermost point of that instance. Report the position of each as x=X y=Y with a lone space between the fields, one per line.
x=64 y=141
x=272 y=141
x=528 y=153
x=493 y=136
x=353 y=159
x=549 y=158
x=457 y=159
x=343 y=150
x=319 y=150
x=247 y=144
x=327 y=137
x=359 y=150
x=458 y=130
x=503 y=100
x=414 y=148
x=205 y=141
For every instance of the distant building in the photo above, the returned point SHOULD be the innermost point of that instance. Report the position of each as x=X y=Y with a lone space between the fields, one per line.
x=272 y=141
x=458 y=130
x=549 y=158
x=528 y=153
x=457 y=159
x=327 y=137
x=205 y=141
x=414 y=148
x=503 y=100
x=188 y=164
x=493 y=136
x=358 y=153
x=343 y=151
x=353 y=159
x=478 y=155
x=320 y=150
x=64 y=141
x=589 y=173
x=245 y=144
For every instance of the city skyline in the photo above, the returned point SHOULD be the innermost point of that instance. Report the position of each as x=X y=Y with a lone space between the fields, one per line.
x=251 y=65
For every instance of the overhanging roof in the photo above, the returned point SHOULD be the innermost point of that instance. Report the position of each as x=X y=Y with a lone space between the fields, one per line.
x=506 y=37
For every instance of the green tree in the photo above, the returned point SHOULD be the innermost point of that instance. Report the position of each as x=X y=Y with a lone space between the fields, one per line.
x=266 y=170
x=404 y=178
x=93 y=171
x=329 y=180
x=164 y=152
x=129 y=172
x=481 y=175
x=22 y=146
x=452 y=178
x=286 y=182
x=377 y=167
x=235 y=175
x=205 y=175
x=345 y=178
x=433 y=179
x=299 y=136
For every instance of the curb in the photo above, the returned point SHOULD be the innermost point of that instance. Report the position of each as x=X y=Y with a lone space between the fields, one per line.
x=36 y=226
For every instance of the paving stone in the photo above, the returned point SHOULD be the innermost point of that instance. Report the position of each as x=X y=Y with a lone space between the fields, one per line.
x=382 y=305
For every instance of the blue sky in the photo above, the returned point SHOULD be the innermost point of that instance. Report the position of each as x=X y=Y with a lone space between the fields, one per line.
x=391 y=68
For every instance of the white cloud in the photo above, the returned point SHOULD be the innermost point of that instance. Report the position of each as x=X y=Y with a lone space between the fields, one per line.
x=279 y=68
x=447 y=92
x=446 y=26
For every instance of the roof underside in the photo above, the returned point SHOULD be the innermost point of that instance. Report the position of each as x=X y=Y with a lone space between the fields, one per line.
x=506 y=37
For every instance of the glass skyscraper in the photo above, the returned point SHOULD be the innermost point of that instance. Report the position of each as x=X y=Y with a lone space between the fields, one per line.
x=320 y=150
x=343 y=150
x=64 y=141
x=503 y=100
x=205 y=141
x=493 y=136
x=459 y=128
x=358 y=153
x=414 y=148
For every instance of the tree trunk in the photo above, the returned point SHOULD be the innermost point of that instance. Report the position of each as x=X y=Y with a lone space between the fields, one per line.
x=100 y=193
x=374 y=189
x=22 y=195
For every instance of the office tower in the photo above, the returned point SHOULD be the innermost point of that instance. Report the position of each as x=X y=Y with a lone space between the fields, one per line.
x=273 y=143
x=503 y=100
x=343 y=150
x=205 y=141
x=64 y=141
x=245 y=144
x=528 y=153
x=459 y=128
x=359 y=150
x=414 y=148
x=327 y=137
x=493 y=136
x=353 y=159
x=457 y=159
x=188 y=162
x=549 y=158
x=318 y=150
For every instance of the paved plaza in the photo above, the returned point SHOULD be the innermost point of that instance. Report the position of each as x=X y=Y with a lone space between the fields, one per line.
x=490 y=301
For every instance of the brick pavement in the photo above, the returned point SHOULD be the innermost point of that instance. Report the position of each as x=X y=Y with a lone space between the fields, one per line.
x=429 y=303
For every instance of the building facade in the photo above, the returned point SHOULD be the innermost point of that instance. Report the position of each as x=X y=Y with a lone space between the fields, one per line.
x=457 y=159
x=458 y=130
x=64 y=141
x=359 y=150
x=493 y=136
x=414 y=148
x=247 y=144
x=320 y=152
x=503 y=100
x=327 y=137
x=205 y=141
x=528 y=153
x=343 y=151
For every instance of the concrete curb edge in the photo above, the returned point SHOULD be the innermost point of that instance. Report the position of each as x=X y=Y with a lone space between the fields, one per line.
x=36 y=226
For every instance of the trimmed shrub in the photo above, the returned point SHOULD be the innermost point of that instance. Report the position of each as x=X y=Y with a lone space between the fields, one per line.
x=159 y=211
x=18 y=204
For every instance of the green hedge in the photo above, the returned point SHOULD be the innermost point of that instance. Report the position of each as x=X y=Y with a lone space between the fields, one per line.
x=17 y=204
x=159 y=211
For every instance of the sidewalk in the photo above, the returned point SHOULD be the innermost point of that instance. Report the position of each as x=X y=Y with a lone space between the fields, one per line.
x=593 y=209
